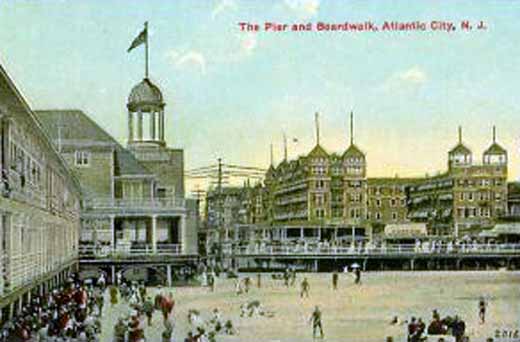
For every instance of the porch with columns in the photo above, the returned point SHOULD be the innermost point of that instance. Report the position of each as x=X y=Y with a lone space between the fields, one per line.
x=154 y=233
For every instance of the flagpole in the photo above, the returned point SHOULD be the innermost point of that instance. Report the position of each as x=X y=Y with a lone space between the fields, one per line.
x=146 y=49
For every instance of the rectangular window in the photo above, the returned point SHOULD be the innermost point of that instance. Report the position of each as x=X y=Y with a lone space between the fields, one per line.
x=82 y=158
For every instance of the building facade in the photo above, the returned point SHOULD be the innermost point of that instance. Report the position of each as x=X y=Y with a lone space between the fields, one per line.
x=328 y=197
x=134 y=197
x=39 y=205
x=466 y=199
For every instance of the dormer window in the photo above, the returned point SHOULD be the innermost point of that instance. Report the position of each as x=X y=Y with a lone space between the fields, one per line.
x=82 y=158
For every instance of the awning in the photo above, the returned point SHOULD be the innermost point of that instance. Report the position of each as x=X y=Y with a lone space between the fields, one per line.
x=406 y=230
x=488 y=234
x=510 y=228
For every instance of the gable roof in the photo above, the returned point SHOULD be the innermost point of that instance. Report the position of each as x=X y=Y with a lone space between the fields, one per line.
x=495 y=149
x=78 y=126
x=460 y=149
x=318 y=151
x=353 y=151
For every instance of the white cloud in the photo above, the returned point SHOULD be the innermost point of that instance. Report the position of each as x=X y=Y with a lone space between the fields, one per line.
x=409 y=79
x=303 y=8
x=188 y=59
x=413 y=75
x=223 y=6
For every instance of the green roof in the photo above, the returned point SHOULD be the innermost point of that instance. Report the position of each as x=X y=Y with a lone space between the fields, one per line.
x=460 y=149
x=318 y=151
x=353 y=151
x=495 y=149
x=78 y=126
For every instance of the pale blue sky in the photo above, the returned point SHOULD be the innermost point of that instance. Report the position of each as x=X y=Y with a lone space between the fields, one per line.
x=231 y=93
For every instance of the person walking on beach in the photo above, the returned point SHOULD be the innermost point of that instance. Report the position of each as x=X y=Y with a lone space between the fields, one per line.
x=482 y=310
x=357 y=273
x=316 y=322
x=148 y=308
x=335 y=280
x=304 y=288
x=259 y=280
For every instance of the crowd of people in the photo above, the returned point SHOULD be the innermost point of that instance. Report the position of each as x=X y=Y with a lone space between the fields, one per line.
x=130 y=327
x=70 y=313
x=417 y=330
x=207 y=330
x=73 y=313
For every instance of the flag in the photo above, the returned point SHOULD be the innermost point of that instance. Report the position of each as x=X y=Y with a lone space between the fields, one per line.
x=140 y=39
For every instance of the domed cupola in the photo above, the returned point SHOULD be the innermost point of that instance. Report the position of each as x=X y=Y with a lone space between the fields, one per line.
x=145 y=95
x=145 y=114
x=460 y=155
x=495 y=154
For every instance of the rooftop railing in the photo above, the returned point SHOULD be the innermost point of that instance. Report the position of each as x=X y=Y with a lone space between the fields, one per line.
x=138 y=250
x=142 y=203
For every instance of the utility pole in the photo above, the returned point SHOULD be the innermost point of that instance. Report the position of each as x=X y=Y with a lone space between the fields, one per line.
x=219 y=196
x=220 y=225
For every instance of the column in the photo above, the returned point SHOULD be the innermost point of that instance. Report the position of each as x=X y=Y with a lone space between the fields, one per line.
x=152 y=125
x=139 y=126
x=154 y=233
x=113 y=275
x=112 y=231
x=161 y=125
x=130 y=126
x=184 y=237
x=169 y=275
